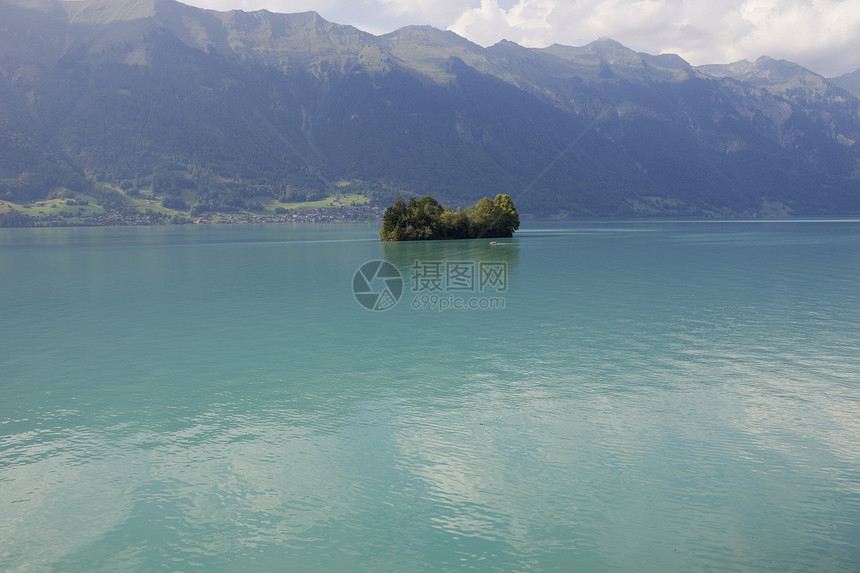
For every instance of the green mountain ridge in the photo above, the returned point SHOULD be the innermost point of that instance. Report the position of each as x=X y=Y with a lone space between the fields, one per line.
x=158 y=99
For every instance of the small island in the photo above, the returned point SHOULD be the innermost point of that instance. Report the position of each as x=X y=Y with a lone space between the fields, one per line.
x=424 y=219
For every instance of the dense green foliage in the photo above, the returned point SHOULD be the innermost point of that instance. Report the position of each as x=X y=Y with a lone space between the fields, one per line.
x=425 y=219
x=15 y=219
x=177 y=203
x=213 y=112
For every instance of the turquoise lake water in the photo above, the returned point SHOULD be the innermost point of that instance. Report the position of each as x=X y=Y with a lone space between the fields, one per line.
x=647 y=396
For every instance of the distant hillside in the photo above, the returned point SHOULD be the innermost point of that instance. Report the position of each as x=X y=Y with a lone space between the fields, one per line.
x=121 y=100
x=849 y=81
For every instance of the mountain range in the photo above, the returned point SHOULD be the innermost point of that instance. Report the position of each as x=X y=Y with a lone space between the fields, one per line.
x=229 y=111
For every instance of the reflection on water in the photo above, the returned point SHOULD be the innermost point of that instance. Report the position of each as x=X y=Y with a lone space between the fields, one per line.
x=405 y=255
x=479 y=250
x=653 y=396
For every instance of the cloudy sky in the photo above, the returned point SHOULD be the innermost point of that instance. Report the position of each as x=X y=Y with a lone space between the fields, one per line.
x=823 y=35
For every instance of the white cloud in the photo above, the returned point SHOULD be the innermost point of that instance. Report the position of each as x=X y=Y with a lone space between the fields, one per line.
x=436 y=12
x=823 y=35
x=285 y=6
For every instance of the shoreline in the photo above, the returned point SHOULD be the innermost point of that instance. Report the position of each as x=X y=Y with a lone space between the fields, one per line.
x=316 y=215
x=329 y=215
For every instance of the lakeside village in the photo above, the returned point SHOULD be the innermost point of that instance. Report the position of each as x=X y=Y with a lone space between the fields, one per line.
x=305 y=215
x=344 y=214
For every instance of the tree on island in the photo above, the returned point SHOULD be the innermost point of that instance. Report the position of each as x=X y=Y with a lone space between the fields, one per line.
x=425 y=219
